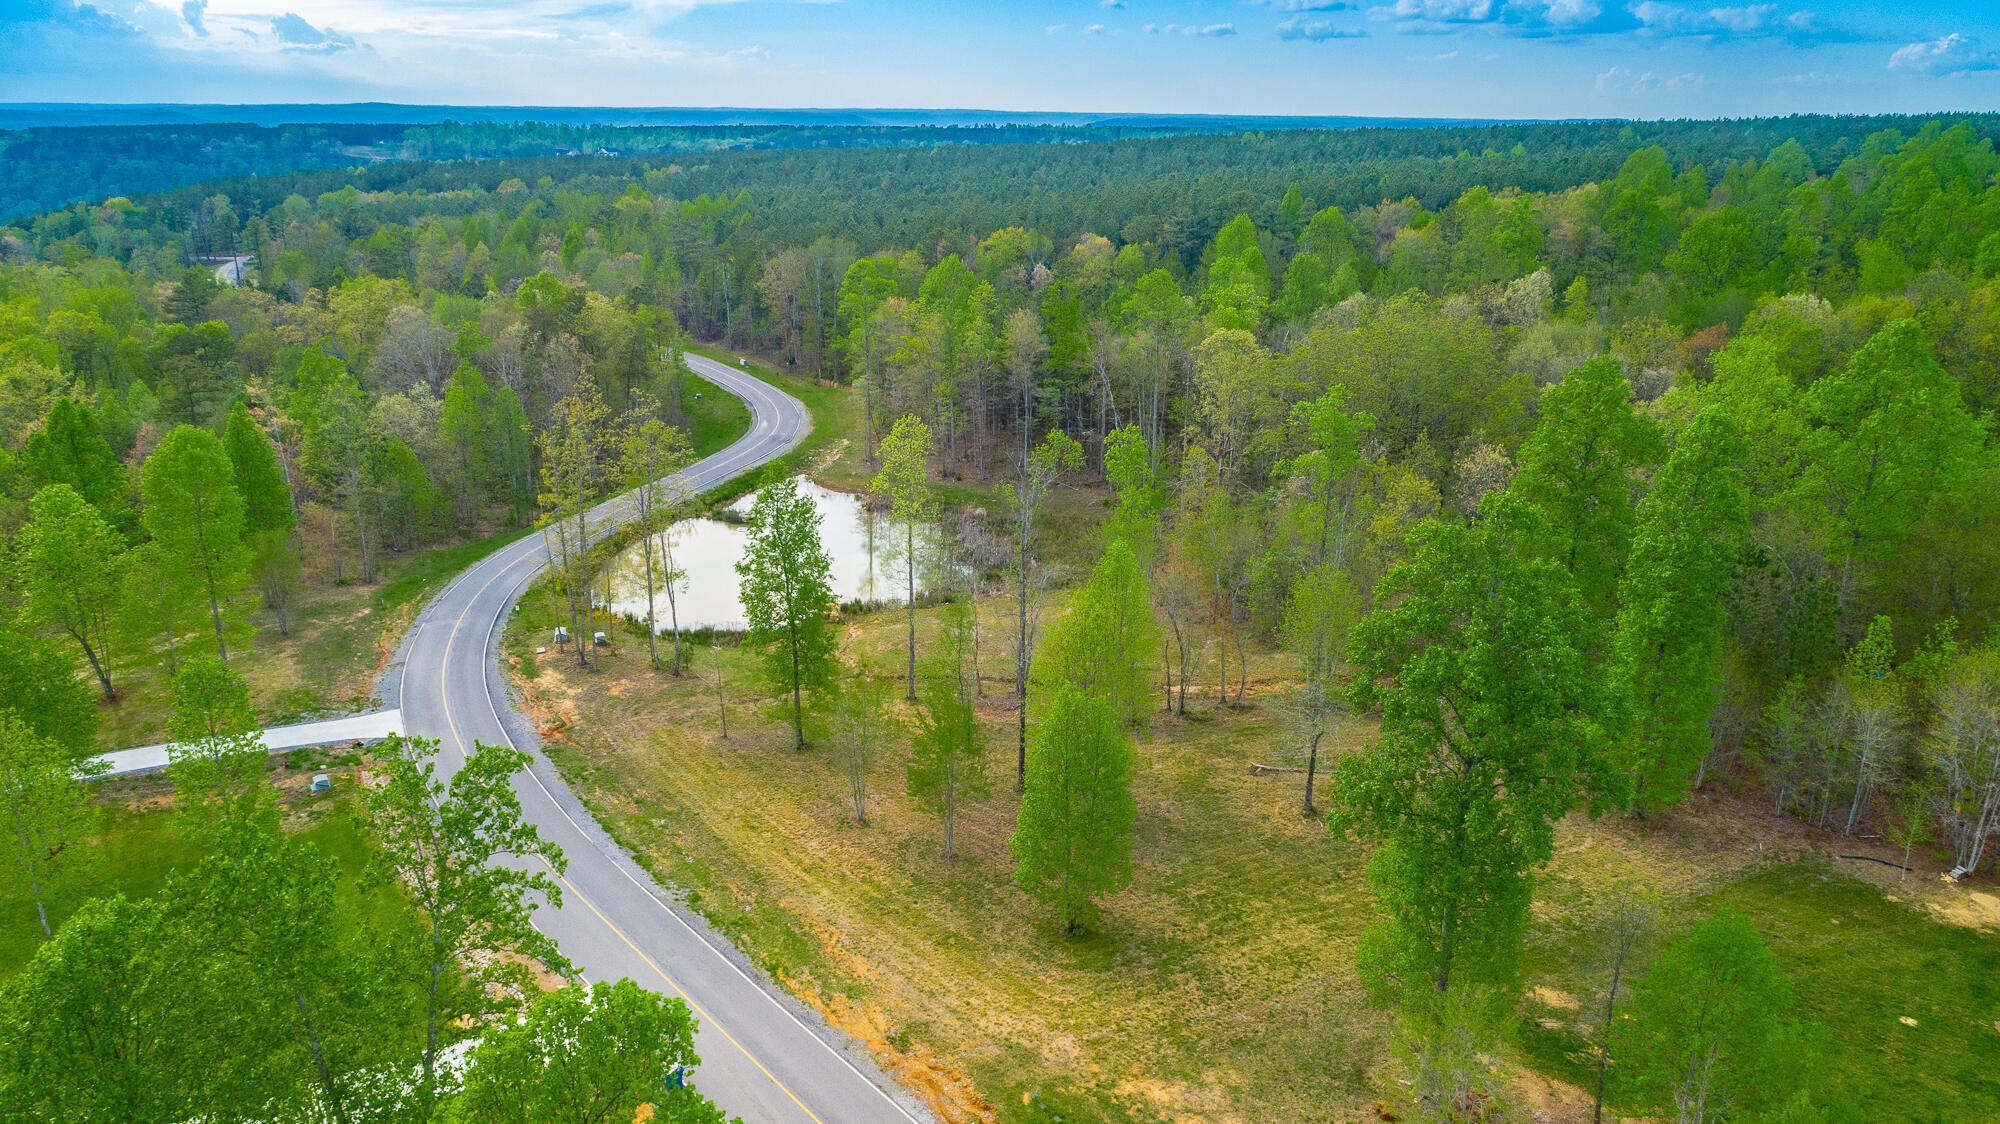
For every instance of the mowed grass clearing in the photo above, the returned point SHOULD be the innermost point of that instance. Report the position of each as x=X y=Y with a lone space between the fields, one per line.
x=1221 y=985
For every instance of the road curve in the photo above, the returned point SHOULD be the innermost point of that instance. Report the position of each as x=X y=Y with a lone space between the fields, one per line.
x=764 y=1056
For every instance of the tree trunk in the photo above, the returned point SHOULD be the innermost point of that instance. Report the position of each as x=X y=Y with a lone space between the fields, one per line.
x=1604 y=1048
x=1021 y=666
x=910 y=579
x=652 y=628
x=1312 y=770
x=333 y=1101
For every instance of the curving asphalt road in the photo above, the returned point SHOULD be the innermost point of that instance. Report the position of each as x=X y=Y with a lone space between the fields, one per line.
x=764 y=1057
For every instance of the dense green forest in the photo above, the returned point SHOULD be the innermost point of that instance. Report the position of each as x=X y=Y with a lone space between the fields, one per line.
x=48 y=168
x=1597 y=463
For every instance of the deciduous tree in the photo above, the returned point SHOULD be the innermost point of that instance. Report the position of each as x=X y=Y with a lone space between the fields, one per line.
x=195 y=515
x=786 y=581
x=1036 y=473
x=45 y=810
x=1073 y=835
x=69 y=565
x=443 y=842
x=1672 y=608
x=1708 y=1026
x=904 y=481
x=947 y=767
x=1486 y=740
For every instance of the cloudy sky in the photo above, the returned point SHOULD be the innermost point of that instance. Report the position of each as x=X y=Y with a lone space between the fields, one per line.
x=1466 y=58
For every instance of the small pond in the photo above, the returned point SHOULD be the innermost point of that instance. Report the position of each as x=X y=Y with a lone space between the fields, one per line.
x=706 y=551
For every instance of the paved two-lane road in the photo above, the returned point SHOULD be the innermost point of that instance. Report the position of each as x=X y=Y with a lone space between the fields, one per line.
x=764 y=1057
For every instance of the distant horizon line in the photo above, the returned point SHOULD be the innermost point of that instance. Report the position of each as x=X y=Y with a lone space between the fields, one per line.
x=24 y=115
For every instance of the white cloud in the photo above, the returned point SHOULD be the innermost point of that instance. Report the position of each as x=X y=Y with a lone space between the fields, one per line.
x=1619 y=80
x=1211 y=31
x=1318 y=31
x=1564 y=13
x=1094 y=29
x=292 y=30
x=1660 y=18
x=1445 y=11
x=1304 y=5
x=1056 y=28
x=191 y=15
x=1110 y=3
x=1952 y=54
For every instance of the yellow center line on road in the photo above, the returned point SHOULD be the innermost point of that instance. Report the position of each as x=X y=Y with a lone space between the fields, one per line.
x=699 y=1011
x=689 y=999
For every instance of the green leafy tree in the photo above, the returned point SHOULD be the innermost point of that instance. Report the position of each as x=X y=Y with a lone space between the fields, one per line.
x=947 y=768
x=1672 y=608
x=786 y=584
x=278 y=959
x=275 y=563
x=1073 y=835
x=69 y=566
x=70 y=449
x=1324 y=606
x=45 y=810
x=465 y=429
x=1486 y=740
x=573 y=473
x=868 y=285
x=333 y=410
x=1328 y=469
x=1037 y=473
x=40 y=688
x=654 y=452
x=210 y=700
x=862 y=723
x=195 y=514
x=1102 y=644
x=904 y=480
x=85 y=1034
x=267 y=499
x=442 y=842
x=1577 y=468
x=1890 y=437
x=1708 y=1030
x=586 y=1054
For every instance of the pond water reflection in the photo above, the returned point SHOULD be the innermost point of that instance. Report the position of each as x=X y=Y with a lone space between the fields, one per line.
x=706 y=550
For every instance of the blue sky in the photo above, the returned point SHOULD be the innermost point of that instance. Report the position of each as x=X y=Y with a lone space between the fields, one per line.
x=1466 y=58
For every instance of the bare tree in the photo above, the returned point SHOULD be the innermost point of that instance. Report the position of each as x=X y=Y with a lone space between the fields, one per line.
x=1635 y=916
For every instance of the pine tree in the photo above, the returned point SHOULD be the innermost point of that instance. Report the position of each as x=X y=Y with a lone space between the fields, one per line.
x=1073 y=835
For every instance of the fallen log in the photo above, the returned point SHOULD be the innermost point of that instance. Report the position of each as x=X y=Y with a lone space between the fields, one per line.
x=1257 y=770
x=1873 y=859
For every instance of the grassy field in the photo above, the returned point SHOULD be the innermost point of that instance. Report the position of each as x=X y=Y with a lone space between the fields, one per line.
x=341 y=635
x=1220 y=986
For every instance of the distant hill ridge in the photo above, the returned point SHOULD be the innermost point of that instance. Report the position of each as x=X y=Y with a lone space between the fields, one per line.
x=30 y=115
